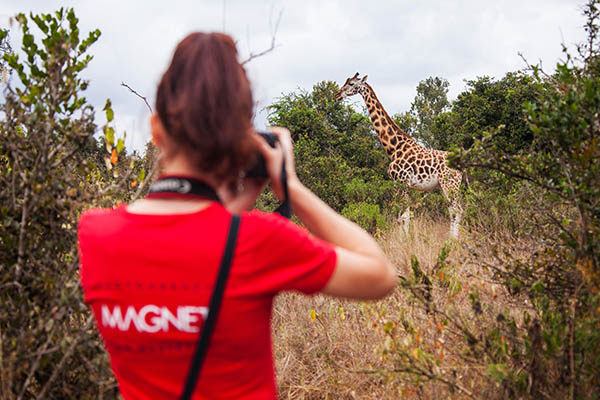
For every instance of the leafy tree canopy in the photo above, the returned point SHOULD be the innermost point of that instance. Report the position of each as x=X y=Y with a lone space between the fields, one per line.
x=335 y=149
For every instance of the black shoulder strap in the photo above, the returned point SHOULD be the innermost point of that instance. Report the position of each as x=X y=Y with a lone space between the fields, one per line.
x=285 y=208
x=213 y=312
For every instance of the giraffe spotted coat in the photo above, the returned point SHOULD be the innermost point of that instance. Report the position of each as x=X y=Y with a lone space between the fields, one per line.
x=418 y=167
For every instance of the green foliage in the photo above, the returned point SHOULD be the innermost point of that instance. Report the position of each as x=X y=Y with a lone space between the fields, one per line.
x=366 y=215
x=489 y=104
x=4 y=49
x=407 y=121
x=494 y=203
x=530 y=142
x=484 y=104
x=337 y=154
x=431 y=101
x=561 y=172
x=359 y=190
x=51 y=168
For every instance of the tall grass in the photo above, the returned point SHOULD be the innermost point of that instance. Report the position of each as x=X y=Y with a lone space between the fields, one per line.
x=328 y=348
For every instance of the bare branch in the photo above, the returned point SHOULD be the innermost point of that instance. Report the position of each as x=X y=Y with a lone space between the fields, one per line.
x=36 y=363
x=252 y=56
x=22 y=229
x=537 y=67
x=64 y=358
x=138 y=95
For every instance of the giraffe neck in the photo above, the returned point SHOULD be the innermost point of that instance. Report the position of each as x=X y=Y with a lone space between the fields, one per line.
x=393 y=139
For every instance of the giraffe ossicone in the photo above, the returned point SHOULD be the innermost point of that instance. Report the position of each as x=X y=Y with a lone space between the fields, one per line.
x=418 y=167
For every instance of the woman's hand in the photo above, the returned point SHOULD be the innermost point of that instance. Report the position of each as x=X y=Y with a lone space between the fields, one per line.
x=244 y=197
x=274 y=158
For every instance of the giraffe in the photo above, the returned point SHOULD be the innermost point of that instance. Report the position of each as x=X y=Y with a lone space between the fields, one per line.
x=416 y=166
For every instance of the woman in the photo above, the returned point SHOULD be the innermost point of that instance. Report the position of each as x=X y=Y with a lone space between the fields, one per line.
x=148 y=268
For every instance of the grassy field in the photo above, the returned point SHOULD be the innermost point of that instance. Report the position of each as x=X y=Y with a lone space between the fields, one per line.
x=400 y=347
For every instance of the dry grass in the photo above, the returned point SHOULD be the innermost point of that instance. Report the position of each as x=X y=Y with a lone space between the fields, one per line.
x=335 y=349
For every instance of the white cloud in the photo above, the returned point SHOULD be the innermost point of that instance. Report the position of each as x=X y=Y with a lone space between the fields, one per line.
x=397 y=43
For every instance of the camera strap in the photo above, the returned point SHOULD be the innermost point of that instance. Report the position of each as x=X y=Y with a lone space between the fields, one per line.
x=285 y=208
x=213 y=311
x=180 y=186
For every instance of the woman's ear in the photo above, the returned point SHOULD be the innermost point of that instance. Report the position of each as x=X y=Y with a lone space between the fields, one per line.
x=158 y=131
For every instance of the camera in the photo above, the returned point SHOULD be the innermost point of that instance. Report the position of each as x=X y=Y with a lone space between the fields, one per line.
x=259 y=170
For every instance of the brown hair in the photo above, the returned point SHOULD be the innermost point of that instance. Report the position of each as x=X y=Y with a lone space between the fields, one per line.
x=205 y=104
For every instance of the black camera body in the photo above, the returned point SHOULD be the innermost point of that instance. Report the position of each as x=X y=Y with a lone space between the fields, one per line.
x=259 y=170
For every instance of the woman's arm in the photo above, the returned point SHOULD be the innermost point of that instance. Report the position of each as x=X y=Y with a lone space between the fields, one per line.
x=362 y=270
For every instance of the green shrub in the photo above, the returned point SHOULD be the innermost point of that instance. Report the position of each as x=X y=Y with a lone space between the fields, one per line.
x=338 y=156
x=51 y=168
x=366 y=215
x=556 y=183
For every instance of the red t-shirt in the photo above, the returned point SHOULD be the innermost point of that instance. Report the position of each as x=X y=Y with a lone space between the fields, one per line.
x=148 y=280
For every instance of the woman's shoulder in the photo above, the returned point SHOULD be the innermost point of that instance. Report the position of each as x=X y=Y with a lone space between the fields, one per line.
x=100 y=214
x=96 y=222
x=268 y=221
x=273 y=228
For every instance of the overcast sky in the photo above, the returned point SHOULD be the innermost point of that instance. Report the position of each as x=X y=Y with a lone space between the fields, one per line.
x=397 y=43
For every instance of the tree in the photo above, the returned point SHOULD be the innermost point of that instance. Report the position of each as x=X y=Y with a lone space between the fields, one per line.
x=51 y=168
x=557 y=350
x=486 y=104
x=338 y=156
x=431 y=100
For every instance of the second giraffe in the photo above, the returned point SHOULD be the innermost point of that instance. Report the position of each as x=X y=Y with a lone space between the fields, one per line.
x=416 y=166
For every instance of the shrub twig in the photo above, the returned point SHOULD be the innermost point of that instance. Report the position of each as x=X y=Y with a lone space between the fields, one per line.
x=252 y=56
x=35 y=364
x=64 y=358
x=138 y=95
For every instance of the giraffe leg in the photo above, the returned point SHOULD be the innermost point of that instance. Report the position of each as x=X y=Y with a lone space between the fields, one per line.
x=456 y=212
x=401 y=192
x=404 y=216
x=450 y=184
x=405 y=220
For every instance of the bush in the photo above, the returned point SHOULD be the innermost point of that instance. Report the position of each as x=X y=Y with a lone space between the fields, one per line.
x=51 y=168
x=485 y=104
x=338 y=156
x=366 y=215
x=556 y=353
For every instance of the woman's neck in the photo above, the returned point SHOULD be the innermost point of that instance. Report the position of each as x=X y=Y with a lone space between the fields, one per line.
x=179 y=166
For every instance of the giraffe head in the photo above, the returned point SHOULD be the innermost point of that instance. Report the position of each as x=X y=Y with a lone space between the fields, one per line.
x=351 y=87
